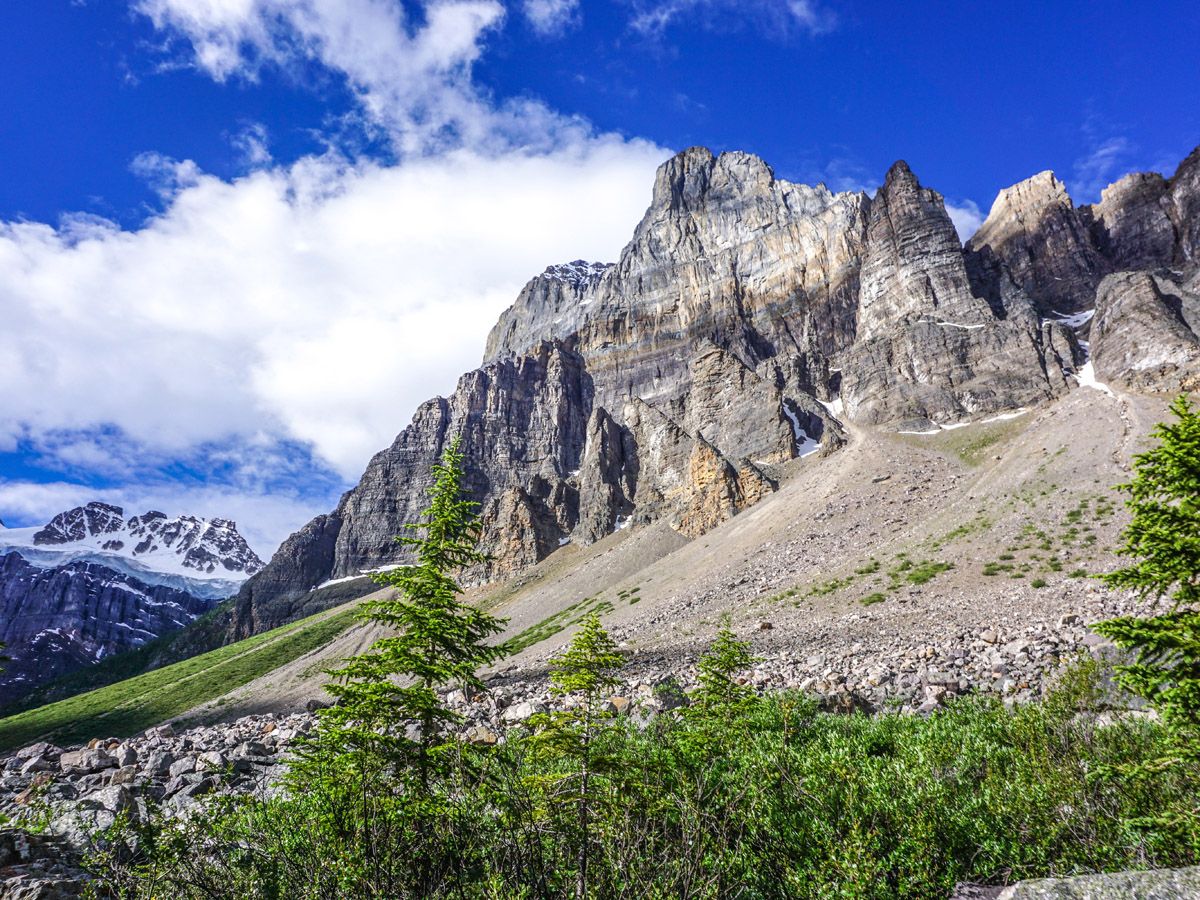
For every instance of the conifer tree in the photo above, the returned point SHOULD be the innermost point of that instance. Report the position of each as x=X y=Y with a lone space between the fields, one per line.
x=719 y=693
x=585 y=671
x=1163 y=538
x=388 y=702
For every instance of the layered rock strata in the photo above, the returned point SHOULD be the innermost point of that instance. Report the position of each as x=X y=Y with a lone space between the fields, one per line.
x=744 y=318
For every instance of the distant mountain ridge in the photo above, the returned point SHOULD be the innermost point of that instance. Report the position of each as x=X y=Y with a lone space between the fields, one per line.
x=748 y=321
x=92 y=583
x=207 y=557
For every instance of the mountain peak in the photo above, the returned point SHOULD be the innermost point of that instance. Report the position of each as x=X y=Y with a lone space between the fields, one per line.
x=186 y=545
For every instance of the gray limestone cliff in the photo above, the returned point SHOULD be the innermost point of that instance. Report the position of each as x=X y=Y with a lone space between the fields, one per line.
x=745 y=317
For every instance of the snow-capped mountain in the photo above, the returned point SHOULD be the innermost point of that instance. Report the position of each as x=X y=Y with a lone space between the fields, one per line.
x=93 y=582
x=205 y=557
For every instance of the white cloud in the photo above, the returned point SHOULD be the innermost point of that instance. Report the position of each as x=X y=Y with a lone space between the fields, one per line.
x=551 y=18
x=1106 y=161
x=776 y=18
x=253 y=143
x=966 y=216
x=412 y=75
x=320 y=302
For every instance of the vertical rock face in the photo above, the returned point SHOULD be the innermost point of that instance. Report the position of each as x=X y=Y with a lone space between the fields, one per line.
x=1146 y=333
x=727 y=253
x=928 y=347
x=670 y=385
x=913 y=264
x=1131 y=224
x=1045 y=245
x=551 y=307
x=57 y=620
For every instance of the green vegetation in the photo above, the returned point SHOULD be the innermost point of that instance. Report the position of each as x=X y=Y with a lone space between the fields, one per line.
x=560 y=621
x=872 y=599
x=923 y=573
x=771 y=800
x=831 y=586
x=1163 y=541
x=388 y=718
x=978 y=524
x=127 y=707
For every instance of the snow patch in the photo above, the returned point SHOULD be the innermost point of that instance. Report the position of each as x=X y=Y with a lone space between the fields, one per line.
x=366 y=573
x=1008 y=415
x=835 y=407
x=1075 y=319
x=1086 y=376
x=960 y=325
x=805 y=445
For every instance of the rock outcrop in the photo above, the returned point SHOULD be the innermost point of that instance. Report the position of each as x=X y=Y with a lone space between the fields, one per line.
x=1044 y=243
x=673 y=384
x=1146 y=333
x=61 y=619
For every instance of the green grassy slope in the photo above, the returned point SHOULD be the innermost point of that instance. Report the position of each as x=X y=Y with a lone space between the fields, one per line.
x=133 y=705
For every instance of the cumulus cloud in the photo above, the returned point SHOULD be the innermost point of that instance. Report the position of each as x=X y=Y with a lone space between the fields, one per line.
x=551 y=18
x=776 y=18
x=312 y=304
x=966 y=216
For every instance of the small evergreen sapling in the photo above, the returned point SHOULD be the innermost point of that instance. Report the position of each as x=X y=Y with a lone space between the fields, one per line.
x=719 y=694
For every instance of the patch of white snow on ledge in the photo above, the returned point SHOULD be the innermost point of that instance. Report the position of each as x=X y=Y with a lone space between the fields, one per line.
x=805 y=445
x=835 y=406
x=1087 y=378
x=960 y=325
x=1009 y=415
x=1074 y=320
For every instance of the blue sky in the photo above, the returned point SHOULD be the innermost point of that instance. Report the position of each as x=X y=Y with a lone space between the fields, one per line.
x=240 y=240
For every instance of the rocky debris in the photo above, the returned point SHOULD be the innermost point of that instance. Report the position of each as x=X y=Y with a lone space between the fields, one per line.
x=83 y=790
x=1157 y=884
x=1146 y=333
x=38 y=867
x=57 y=620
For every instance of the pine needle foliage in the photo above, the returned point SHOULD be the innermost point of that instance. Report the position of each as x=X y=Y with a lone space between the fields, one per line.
x=585 y=672
x=1163 y=539
x=387 y=698
x=719 y=692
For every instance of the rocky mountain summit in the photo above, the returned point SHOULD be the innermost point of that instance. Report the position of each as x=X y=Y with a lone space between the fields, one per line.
x=199 y=549
x=92 y=583
x=751 y=321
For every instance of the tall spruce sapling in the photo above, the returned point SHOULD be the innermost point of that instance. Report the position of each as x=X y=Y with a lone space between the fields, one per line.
x=388 y=702
x=1163 y=538
x=585 y=672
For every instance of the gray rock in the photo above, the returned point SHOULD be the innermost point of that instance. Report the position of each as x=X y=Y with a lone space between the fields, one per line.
x=85 y=761
x=1160 y=884
x=1146 y=333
